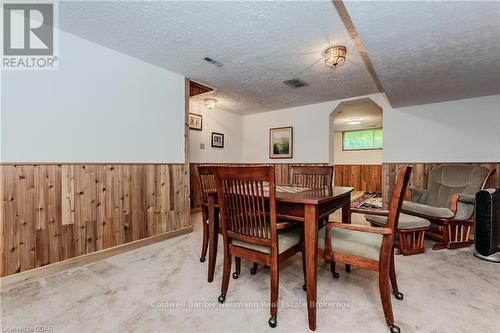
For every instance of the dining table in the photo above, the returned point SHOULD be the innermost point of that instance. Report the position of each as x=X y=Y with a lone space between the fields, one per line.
x=295 y=203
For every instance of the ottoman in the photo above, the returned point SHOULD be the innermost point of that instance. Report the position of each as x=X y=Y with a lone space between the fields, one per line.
x=411 y=232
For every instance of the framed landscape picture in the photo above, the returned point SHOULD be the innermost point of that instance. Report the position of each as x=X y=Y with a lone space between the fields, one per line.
x=281 y=142
x=217 y=140
x=195 y=121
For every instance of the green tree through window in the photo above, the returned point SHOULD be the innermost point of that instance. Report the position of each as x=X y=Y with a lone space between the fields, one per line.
x=362 y=139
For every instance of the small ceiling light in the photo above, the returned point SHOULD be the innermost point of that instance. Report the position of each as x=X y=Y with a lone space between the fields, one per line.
x=354 y=121
x=210 y=103
x=335 y=56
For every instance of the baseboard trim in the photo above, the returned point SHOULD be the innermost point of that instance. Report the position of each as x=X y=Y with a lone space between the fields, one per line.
x=15 y=280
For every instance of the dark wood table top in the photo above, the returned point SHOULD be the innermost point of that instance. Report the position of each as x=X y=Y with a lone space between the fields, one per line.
x=306 y=195
x=312 y=195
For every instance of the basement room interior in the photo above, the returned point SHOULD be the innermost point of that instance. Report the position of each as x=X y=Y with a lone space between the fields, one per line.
x=250 y=166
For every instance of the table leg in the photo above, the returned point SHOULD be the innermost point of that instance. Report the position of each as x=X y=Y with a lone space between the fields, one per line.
x=346 y=210
x=311 y=255
x=213 y=237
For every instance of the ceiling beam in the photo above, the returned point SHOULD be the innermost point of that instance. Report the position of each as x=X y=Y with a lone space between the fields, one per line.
x=346 y=19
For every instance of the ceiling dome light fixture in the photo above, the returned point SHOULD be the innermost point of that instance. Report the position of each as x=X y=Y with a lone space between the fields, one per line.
x=354 y=121
x=335 y=56
x=210 y=103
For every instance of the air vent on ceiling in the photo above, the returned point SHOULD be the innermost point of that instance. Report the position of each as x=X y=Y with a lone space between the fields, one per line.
x=295 y=83
x=213 y=62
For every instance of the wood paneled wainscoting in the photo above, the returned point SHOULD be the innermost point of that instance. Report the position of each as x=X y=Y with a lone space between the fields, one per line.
x=420 y=176
x=282 y=171
x=367 y=178
x=53 y=212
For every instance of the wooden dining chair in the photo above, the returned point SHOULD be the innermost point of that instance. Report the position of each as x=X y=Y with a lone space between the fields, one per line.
x=249 y=225
x=206 y=183
x=371 y=247
x=312 y=176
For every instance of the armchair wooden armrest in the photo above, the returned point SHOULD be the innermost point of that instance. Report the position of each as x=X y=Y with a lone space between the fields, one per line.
x=370 y=211
x=408 y=195
x=357 y=227
x=454 y=203
x=462 y=206
x=464 y=198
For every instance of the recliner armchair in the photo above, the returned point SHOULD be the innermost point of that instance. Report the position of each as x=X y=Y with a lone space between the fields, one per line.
x=448 y=202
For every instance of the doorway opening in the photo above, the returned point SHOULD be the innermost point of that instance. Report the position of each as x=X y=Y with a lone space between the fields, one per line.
x=356 y=148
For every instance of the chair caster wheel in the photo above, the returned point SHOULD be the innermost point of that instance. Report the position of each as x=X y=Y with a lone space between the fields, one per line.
x=394 y=329
x=236 y=275
x=202 y=259
x=222 y=298
x=335 y=275
x=273 y=322
x=398 y=295
x=304 y=287
x=253 y=271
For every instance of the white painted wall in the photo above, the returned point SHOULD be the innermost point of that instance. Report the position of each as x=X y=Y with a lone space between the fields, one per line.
x=354 y=156
x=103 y=106
x=310 y=133
x=457 y=131
x=310 y=130
x=215 y=120
x=100 y=106
x=466 y=130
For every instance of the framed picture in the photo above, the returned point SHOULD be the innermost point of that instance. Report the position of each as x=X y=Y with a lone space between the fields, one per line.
x=281 y=142
x=217 y=140
x=195 y=121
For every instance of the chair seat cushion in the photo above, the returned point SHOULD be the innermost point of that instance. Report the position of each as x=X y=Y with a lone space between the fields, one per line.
x=287 y=238
x=405 y=221
x=355 y=243
x=440 y=212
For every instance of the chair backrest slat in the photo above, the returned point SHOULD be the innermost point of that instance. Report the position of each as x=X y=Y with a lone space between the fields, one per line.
x=246 y=215
x=206 y=182
x=312 y=176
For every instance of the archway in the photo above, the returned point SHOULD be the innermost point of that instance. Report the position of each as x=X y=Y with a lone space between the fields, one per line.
x=355 y=144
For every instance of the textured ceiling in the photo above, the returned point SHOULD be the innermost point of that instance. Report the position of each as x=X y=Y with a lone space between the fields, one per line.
x=369 y=113
x=426 y=52
x=261 y=44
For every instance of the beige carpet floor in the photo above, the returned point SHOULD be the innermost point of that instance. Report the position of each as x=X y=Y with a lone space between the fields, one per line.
x=163 y=288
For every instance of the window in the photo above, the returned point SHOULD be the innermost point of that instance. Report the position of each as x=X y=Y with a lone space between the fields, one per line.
x=362 y=139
